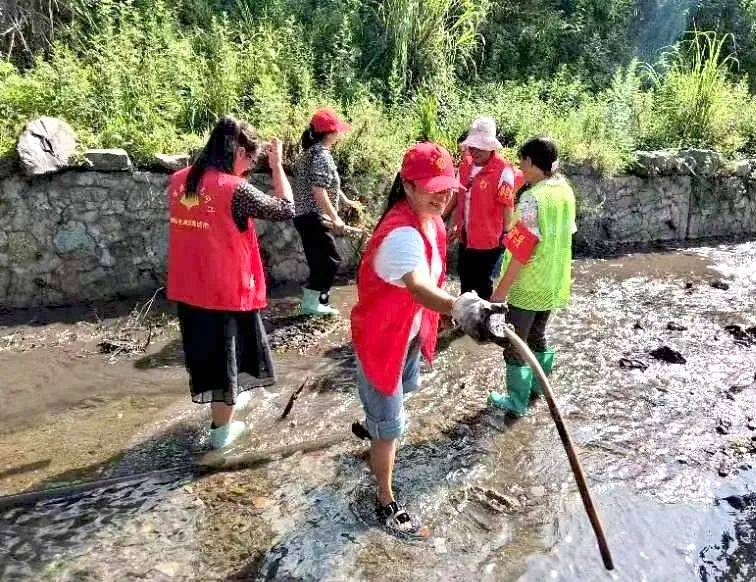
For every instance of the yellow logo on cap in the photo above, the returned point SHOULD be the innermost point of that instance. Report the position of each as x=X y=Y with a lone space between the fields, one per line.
x=440 y=163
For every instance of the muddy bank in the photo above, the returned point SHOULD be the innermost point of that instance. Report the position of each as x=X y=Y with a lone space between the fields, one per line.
x=73 y=406
x=667 y=448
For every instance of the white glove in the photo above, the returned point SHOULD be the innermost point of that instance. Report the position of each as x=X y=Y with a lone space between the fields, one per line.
x=471 y=314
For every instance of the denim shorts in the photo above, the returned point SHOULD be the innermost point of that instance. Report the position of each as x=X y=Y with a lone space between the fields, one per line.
x=384 y=415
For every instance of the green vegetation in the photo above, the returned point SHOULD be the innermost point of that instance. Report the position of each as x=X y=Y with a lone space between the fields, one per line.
x=154 y=75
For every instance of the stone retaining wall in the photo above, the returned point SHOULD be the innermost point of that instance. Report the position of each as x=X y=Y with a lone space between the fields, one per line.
x=84 y=235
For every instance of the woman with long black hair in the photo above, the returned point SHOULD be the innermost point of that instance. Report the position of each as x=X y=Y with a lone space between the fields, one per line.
x=400 y=298
x=318 y=198
x=215 y=272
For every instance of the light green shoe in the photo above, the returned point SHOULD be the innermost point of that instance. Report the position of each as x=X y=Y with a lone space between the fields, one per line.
x=243 y=400
x=546 y=359
x=311 y=304
x=519 y=381
x=228 y=433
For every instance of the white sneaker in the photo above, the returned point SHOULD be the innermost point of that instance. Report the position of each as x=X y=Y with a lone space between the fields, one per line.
x=225 y=435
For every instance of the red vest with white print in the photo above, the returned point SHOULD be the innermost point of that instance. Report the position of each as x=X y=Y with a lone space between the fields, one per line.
x=485 y=221
x=382 y=319
x=210 y=263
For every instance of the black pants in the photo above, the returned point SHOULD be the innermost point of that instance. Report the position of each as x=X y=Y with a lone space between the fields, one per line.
x=320 y=251
x=475 y=268
x=530 y=326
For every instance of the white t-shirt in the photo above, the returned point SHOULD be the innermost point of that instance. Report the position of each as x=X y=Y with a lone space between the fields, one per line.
x=402 y=252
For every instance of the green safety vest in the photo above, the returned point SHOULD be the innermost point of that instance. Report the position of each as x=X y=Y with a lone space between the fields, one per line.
x=544 y=282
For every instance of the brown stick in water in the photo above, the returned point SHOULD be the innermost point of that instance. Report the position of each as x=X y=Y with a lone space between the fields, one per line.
x=577 y=469
x=293 y=397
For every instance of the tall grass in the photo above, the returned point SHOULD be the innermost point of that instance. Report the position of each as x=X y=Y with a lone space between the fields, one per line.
x=154 y=76
x=424 y=41
x=697 y=103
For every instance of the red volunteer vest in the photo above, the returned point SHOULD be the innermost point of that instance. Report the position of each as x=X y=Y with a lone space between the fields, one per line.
x=485 y=223
x=210 y=263
x=382 y=318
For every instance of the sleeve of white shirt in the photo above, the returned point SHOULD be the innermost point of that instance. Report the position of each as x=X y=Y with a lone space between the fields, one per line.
x=401 y=252
x=529 y=214
x=507 y=177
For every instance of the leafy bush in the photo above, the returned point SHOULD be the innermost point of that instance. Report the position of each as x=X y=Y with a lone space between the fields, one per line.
x=154 y=76
x=696 y=102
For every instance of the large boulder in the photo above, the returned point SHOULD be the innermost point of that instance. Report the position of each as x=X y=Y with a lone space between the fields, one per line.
x=46 y=146
x=702 y=162
x=171 y=163
x=656 y=163
x=113 y=160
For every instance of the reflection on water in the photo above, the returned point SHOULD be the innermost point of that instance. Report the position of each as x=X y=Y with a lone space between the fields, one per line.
x=497 y=494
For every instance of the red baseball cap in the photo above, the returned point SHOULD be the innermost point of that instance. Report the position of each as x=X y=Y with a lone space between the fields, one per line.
x=326 y=120
x=431 y=167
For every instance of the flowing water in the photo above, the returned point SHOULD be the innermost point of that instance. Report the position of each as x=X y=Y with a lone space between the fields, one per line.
x=667 y=448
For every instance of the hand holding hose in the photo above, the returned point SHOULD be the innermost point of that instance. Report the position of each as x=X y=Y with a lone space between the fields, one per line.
x=472 y=314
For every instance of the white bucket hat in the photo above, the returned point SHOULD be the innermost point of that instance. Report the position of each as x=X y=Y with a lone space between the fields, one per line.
x=482 y=135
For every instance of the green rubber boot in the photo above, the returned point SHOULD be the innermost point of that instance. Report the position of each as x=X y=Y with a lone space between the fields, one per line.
x=519 y=381
x=311 y=304
x=546 y=359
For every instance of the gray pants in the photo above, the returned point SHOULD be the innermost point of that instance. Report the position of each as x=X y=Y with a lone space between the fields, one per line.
x=531 y=327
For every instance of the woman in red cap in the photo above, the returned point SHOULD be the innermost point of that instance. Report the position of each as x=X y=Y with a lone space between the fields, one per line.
x=317 y=198
x=396 y=317
x=215 y=272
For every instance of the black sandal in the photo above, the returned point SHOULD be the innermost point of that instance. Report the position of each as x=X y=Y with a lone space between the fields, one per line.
x=399 y=522
x=359 y=430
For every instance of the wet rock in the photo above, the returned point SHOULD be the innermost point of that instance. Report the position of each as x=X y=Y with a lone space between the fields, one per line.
x=723 y=426
x=46 y=146
x=495 y=501
x=743 y=337
x=170 y=569
x=724 y=468
x=719 y=284
x=538 y=491
x=508 y=502
x=630 y=364
x=462 y=430
x=260 y=502
x=667 y=354
x=741 y=502
x=672 y=326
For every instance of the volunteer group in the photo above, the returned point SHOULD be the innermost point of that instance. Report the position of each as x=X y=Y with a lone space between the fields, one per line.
x=513 y=225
